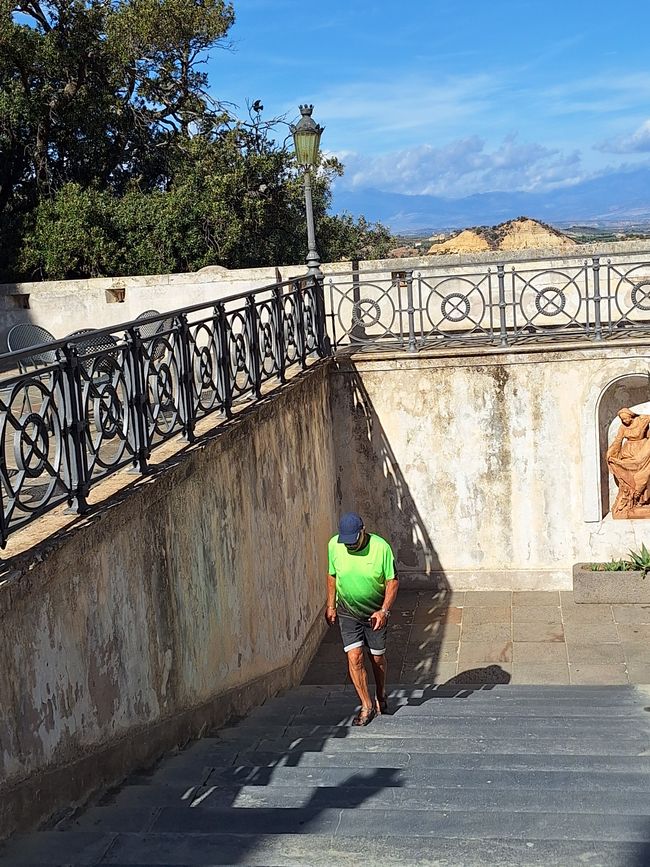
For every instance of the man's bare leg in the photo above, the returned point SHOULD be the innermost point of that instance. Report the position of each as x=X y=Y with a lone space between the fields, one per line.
x=358 y=676
x=379 y=669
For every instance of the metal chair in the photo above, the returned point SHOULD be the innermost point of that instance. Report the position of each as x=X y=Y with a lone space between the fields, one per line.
x=149 y=330
x=25 y=335
x=107 y=362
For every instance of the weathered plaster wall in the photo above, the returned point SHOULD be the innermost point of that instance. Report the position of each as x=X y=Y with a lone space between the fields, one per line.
x=195 y=595
x=478 y=467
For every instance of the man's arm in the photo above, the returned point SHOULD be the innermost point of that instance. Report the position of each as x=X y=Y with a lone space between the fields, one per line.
x=380 y=618
x=330 y=611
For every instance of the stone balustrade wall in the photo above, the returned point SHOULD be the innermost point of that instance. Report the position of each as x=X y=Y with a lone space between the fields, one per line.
x=185 y=599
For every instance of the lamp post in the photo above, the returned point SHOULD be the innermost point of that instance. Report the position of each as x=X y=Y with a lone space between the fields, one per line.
x=306 y=138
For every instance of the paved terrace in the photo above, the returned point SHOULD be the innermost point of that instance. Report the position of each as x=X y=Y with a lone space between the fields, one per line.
x=505 y=637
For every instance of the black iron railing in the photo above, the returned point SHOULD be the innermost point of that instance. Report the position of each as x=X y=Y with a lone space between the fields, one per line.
x=500 y=304
x=103 y=400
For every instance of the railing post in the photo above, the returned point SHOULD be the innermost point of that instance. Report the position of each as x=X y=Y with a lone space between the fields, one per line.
x=75 y=429
x=254 y=346
x=186 y=377
x=224 y=359
x=138 y=401
x=323 y=341
x=278 y=310
x=503 y=330
x=410 y=311
x=4 y=529
x=300 y=325
x=598 y=329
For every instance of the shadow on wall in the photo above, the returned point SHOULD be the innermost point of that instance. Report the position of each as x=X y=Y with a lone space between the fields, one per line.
x=369 y=481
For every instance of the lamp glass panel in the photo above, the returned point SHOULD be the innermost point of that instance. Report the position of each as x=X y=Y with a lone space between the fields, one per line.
x=306 y=144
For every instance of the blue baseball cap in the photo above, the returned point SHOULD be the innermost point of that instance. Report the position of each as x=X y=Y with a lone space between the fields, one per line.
x=350 y=525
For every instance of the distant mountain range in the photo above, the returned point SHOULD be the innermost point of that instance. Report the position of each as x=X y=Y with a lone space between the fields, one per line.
x=616 y=198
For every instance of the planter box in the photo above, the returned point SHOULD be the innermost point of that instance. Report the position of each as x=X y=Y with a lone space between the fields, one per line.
x=613 y=588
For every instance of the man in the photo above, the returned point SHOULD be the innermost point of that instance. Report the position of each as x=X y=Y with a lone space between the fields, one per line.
x=361 y=589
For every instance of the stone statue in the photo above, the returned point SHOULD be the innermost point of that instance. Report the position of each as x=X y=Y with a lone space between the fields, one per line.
x=628 y=459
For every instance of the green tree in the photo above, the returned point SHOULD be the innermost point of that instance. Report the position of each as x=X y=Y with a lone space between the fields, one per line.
x=114 y=159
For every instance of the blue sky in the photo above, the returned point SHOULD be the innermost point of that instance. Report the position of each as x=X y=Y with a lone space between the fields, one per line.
x=452 y=98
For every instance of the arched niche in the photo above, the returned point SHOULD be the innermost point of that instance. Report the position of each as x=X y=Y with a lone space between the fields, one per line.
x=599 y=427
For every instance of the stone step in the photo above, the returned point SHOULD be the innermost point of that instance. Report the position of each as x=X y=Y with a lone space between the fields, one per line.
x=496 y=728
x=531 y=775
x=346 y=709
x=489 y=691
x=458 y=774
x=382 y=757
x=347 y=797
x=405 y=823
x=297 y=850
x=266 y=766
x=287 y=751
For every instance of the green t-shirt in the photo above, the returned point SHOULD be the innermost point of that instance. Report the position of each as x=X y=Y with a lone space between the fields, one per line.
x=361 y=576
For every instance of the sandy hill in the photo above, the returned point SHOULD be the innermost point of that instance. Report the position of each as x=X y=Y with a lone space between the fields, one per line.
x=520 y=234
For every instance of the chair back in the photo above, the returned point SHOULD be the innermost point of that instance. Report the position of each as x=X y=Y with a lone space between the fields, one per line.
x=148 y=329
x=23 y=336
x=151 y=329
x=86 y=341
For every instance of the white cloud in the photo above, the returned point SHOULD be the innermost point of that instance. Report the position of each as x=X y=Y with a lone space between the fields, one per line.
x=637 y=143
x=598 y=94
x=394 y=107
x=463 y=167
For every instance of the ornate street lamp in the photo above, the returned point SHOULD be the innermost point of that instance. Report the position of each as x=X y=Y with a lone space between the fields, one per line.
x=306 y=137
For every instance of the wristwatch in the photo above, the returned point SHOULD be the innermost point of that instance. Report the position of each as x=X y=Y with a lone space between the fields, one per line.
x=385 y=612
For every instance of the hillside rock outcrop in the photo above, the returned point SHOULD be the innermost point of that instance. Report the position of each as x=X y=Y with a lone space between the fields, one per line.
x=520 y=234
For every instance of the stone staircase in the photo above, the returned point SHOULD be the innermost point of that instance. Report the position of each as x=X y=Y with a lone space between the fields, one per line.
x=500 y=775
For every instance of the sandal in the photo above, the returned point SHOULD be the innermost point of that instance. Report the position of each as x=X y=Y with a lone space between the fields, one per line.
x=365 y=715
x=381 y=705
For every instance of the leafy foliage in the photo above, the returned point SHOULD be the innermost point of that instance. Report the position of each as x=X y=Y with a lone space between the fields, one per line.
x=639 y=562
x=612 y=566
x=115 y=159
x=641 y=559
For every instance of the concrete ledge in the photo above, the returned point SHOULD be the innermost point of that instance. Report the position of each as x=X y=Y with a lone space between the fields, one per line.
x=60 y=790
x=613 y=588
x=486 y=579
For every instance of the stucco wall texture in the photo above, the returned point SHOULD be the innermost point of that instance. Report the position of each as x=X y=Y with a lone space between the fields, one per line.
x=157 y=617
x=475 y=466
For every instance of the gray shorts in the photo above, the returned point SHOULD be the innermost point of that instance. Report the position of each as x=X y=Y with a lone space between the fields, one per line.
x=357 y=632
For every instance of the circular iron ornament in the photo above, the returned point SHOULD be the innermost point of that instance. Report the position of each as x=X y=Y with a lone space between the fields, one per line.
x=205 y=367
x=641 y=295
x=31 y=445
x=107 y=408
x=163 y=388
x=366 y=313
x=266 y=340
x=240 y=351
x=455 y=307
x=550 y=301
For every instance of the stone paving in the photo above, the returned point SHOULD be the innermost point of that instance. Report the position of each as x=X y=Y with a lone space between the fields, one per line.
x=504 y=637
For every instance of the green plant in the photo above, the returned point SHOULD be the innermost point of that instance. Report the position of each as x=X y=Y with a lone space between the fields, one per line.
x=641 y=560
x=612 y=566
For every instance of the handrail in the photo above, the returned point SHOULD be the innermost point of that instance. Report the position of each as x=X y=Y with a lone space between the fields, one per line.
x=69 y=424
x=595 y=298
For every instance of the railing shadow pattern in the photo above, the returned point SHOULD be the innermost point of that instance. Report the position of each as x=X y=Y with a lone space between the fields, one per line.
x=101 y=404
